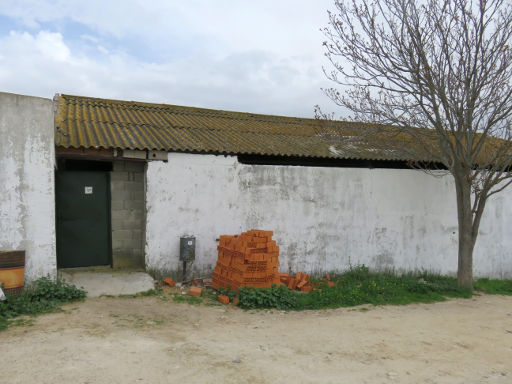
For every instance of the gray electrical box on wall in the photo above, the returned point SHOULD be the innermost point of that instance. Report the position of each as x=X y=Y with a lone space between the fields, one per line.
x=187 y=248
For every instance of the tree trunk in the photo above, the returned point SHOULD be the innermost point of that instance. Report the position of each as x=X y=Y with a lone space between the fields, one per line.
x=466 y=235
x=465 y=265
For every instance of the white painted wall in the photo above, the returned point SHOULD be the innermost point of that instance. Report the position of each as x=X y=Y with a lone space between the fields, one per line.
x=27 y=202
x=324 y=219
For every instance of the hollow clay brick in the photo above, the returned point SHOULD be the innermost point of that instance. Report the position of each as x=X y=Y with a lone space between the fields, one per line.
x=195 y=291
x=243 y=260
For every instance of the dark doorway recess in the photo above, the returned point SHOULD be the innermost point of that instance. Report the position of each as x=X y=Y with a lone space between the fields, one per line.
x=83 y=218
x=84 y=165
x=338 y=163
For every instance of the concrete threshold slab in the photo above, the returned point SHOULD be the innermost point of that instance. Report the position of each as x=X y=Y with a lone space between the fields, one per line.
x=105 y=281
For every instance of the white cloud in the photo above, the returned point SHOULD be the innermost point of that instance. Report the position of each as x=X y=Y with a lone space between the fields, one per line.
x=51 y=45
x=102 y=49
x=281 y=26
x=90 y=38
x=240 y=55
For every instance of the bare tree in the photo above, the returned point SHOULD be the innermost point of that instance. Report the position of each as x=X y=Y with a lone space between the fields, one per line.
x=435 y=75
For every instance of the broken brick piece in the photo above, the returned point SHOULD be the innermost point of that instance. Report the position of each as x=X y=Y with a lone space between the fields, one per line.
x=307 y=288
x=195 y=291
x=223 y=299
x=292 y=284
x=331 y=284
x=169 y=282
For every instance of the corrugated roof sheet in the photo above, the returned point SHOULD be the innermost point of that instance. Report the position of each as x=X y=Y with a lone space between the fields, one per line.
x=86 y=122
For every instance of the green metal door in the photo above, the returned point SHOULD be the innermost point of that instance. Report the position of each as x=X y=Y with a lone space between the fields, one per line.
x=83 y=219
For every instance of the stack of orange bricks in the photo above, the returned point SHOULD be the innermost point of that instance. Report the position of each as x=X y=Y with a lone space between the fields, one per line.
x=248 y=260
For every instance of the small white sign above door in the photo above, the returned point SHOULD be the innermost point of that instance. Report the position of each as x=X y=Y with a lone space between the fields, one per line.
x=88 y=190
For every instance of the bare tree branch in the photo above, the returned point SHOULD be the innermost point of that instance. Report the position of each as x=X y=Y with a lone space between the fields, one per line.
x=434 y=79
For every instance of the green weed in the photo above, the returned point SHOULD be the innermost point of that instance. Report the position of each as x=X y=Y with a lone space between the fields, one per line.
x=355 y=287
x=227 y=292
x=494 y=287
x=42 y=296
x=275 y=297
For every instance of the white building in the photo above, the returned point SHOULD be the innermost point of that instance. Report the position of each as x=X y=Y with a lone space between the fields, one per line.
x=130 y=178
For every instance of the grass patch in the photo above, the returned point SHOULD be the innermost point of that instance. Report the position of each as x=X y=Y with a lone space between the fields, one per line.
x=360 y=286
x=494 y=287
x=149 y=292
x=187 y=299
x=356 y=287
x=42 y=296
x=208 y=297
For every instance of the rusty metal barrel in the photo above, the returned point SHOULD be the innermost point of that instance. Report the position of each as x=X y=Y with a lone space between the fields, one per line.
x=12 y=271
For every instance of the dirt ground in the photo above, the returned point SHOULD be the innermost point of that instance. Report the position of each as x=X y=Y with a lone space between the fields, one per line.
x=148 y=340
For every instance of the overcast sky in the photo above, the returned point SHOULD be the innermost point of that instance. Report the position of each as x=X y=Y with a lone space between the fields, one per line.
x=259 y=56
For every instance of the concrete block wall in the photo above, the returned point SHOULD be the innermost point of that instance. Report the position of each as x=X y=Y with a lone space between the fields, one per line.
x=128 y=214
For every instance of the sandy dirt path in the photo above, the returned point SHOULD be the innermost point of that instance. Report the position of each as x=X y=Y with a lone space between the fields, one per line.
x=147 y=340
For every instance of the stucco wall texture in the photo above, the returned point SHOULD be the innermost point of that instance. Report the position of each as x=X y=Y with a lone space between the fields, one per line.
x=27 y=202
x=324 y=219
